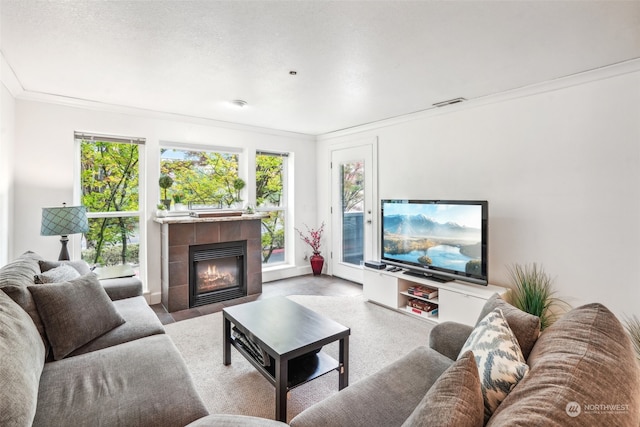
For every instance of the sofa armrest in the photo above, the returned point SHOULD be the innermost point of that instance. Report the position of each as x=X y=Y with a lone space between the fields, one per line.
x=447 y=338
x=385 y=398
x=122 y=287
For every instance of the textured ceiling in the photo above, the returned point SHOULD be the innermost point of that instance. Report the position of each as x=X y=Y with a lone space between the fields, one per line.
x=356 y=61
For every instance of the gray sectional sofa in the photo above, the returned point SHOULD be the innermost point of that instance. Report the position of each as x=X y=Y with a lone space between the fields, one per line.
x=581 y=371
x=84 y=353
x=72 y=356
x=131 y=375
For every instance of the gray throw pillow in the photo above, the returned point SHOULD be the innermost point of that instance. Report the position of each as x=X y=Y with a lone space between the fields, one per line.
x=74 y=313
x=81 y=266
x=525 y=326
x=59 y=274
x=15 y=277
x=454 y=400
x=22 y=355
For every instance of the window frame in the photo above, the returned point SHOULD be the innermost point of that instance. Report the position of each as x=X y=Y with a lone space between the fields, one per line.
x=242 y=162
x=285 y=203
x=90 y=137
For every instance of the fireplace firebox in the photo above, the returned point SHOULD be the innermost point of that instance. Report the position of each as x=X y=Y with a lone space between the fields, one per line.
x=217 y=272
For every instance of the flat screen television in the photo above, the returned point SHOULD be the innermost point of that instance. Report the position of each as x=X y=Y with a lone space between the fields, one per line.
x=441 y=239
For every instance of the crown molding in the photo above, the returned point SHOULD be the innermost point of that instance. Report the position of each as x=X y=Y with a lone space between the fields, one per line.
x=153 y=114
x=615 y=70
x=8 y=77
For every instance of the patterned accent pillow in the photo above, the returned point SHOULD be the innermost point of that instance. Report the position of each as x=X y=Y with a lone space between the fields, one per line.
x=59 y=274
x=501 y=364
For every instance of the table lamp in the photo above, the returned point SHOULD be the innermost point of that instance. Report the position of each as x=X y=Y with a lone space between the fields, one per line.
x=62 y=222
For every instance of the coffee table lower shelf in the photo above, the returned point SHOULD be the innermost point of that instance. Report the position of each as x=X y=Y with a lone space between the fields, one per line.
x=301 y=370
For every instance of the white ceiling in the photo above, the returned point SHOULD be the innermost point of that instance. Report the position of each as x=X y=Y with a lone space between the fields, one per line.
x=356 y=61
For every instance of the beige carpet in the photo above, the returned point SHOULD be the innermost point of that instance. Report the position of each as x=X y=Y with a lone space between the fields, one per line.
x=378 y=337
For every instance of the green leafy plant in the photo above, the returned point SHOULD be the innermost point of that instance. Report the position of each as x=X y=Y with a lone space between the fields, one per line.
x=165 y=182
x=161 y=207
x=532 y=292
x=632 y=325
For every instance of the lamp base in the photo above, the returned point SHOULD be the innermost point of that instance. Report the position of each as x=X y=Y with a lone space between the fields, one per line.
x=64 y=253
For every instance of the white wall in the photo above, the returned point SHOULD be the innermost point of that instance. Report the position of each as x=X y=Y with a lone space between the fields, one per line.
x=45 y=161
x=560 y=167
x=7 y=121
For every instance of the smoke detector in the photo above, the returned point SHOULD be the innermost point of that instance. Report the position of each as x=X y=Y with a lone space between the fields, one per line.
x=239 y=103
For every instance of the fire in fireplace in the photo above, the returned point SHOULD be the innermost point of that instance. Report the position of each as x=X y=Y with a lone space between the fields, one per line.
x=217 y=272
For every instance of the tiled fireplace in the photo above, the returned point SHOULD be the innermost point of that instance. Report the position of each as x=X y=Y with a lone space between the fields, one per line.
x=217 y=272
x=223 y=253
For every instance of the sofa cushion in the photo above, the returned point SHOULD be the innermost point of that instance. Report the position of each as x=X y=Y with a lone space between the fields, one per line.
x=122 y=287
x=448 y=338
x=385 y=398
x=525 y=326
x=59 y=274
x=15 y=277
x=454 y=400
x=81 y=266
x=74 y=313
x=22 y=355
x=140 y=383
x=583 y=373
x=140 y=321
x=500 y=362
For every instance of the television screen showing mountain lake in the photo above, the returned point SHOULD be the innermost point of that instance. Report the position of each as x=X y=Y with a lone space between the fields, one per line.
x=443 y=256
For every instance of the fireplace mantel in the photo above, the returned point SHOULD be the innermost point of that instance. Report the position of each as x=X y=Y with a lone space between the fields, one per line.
x=186 y=219
x=178 y=233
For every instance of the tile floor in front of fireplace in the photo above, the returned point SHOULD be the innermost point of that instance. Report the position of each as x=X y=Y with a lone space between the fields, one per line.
x=302 y=285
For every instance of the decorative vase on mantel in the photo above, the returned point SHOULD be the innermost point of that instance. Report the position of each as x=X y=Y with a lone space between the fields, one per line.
x=317 y=262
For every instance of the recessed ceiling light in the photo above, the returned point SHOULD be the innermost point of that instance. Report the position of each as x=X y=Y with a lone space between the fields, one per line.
x=239 y=103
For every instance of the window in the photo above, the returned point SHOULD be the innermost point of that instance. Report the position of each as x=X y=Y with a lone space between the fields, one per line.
x=202 y=178
x=271 y=197
x=110 y=189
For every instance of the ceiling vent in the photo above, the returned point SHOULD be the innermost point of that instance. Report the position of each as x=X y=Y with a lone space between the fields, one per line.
x=449 y=102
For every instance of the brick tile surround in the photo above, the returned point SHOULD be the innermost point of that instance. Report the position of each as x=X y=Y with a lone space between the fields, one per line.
x=176 y=237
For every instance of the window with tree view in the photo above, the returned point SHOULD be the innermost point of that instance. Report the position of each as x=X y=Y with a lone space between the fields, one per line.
x=271 y=199
x=110 y=181
x=201 y=178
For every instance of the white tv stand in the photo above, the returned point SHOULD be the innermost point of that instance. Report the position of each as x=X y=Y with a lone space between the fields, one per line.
x=457 y=301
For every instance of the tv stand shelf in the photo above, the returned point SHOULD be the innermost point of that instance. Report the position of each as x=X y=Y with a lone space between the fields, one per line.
x=457 y=301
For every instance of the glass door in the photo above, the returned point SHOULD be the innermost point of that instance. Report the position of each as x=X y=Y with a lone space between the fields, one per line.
x=352 y=210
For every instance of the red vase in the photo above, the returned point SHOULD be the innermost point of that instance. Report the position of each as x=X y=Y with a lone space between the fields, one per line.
x=317 y=262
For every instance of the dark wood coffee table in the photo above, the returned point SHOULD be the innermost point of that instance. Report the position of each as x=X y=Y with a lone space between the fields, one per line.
x=292 y=335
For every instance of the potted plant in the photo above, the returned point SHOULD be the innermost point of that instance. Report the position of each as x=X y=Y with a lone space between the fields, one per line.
x=161 y=210
x=165 y=181
x=233 y=193
x=177 y=202
x=532 y=293
x=238 y=185
x=313 y=239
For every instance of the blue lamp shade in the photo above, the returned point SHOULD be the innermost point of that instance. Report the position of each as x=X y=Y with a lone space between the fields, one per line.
x=62 y=222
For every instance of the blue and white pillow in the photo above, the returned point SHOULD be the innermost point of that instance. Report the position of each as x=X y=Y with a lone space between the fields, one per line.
x=501 y=364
